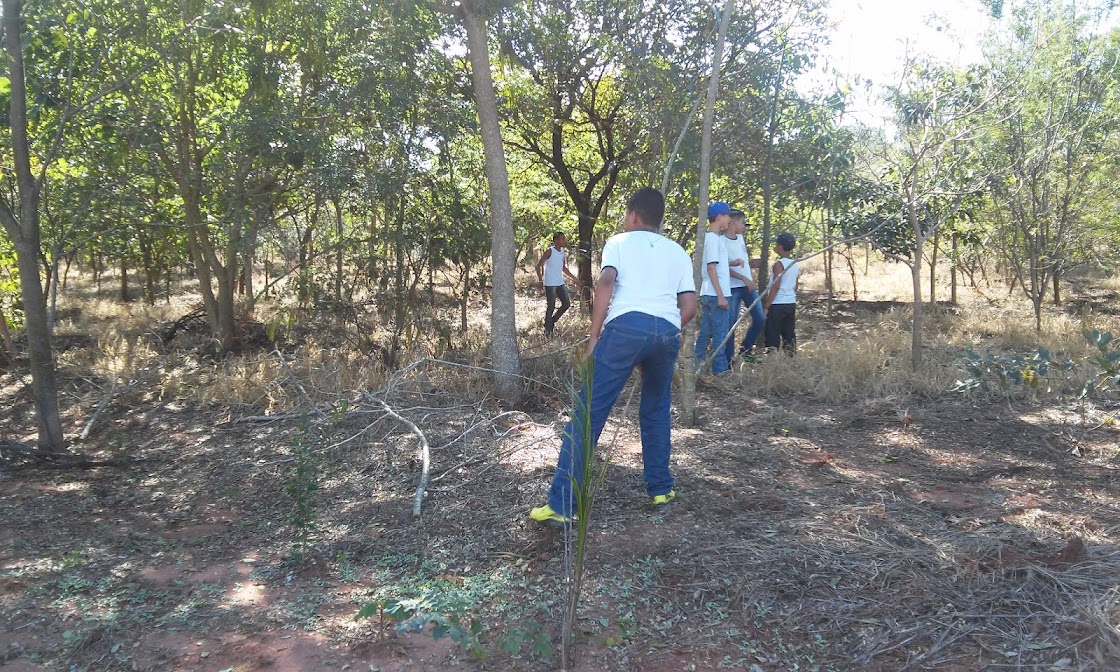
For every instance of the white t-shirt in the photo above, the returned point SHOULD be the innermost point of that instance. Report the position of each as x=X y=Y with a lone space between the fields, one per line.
x=737 y=249
x=554 y=268
x=652 y=270
x=787 y=290
x=715 y=252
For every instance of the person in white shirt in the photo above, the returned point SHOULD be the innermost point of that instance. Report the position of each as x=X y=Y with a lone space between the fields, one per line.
x=644 y=295
x=714 y=290
x=781 y=298
x=551 y=269
x=744 y=291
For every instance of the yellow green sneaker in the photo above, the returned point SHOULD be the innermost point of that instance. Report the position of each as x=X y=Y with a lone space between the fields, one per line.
x=545 y=514
x=660 y=500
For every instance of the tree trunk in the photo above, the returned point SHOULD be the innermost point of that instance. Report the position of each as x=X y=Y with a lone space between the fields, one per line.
x=23 y=229
x=506 y=360
x=953 y=271
x=689 y=412
x=465 y=298
x=6 y=337
x=124 y=280
x=916 y=327
x=909 y=192
x=303 y=292
x=852 y=272
x=338 y=250
x=1057 y=285
x=767 y=178
x=52 y=284
x=933 y=271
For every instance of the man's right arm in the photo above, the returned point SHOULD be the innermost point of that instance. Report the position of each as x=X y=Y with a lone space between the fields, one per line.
x=604 y=292
x=540 y=265
x=686 y=303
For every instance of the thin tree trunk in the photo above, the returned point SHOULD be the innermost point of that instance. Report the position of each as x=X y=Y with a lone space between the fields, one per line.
x=52 y=313
x=933 y=271
x=504 y=354
x=953 y=271
x=1057 y=285
x=916 y=327
x=466 y=296
x=338 y=250
x=852 y=272
x=23 y=228
x=915 y=272
x=6 y=336
x=689 y=415
x=124 y=280
x=768 y=176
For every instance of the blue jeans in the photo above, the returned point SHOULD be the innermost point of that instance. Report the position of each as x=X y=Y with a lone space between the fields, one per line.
x=713 y=327
x=628 y=341
x=741 y=296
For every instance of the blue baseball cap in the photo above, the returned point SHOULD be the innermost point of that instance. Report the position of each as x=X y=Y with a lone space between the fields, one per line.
x=717 y=208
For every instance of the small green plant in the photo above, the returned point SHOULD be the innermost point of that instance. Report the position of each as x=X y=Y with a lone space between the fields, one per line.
x=302 y=485
x=1007 y=370
x=73 y=558
x=512 y=641
x=1107 y=359
x=446 y=616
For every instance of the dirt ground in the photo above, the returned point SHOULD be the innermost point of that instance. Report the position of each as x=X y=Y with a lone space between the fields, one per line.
x=943 y=534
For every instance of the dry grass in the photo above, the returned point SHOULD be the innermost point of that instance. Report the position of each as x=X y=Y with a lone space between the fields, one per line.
x=869 y=359
x=1111 y=283
x=868 y=366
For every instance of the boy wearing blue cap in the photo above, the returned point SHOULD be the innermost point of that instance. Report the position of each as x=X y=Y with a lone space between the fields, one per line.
x=714 y=290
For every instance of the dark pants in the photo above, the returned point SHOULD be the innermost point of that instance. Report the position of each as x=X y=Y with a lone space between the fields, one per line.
x=780 y=323
x=550 y=296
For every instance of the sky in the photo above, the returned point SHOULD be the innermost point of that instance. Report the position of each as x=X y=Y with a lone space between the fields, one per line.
x=872 y=37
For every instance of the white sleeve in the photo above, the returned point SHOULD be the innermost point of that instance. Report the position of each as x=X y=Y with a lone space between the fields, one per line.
x=610 y=254
x=686 y=284
x=711 y=251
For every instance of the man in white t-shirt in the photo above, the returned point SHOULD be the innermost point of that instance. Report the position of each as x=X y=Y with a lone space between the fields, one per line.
x=744 y=291
x=644 y=295
x=715 y=289
x=551 y=270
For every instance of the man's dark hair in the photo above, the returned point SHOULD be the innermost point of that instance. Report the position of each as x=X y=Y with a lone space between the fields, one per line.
x=787 y=240
x=649 y=204
x=558 y=234
x=738 y=215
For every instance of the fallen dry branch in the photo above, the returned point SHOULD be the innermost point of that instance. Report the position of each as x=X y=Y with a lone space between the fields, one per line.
x=100 y=409
x=425 y=453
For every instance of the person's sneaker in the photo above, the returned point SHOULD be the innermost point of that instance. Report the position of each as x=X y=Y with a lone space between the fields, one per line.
x=661 y=500
x=545 y=514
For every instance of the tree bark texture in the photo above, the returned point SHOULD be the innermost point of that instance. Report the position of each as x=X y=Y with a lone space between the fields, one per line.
x=689 y=415
x=504 y=354
x=768 y=177
x=23 y=228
